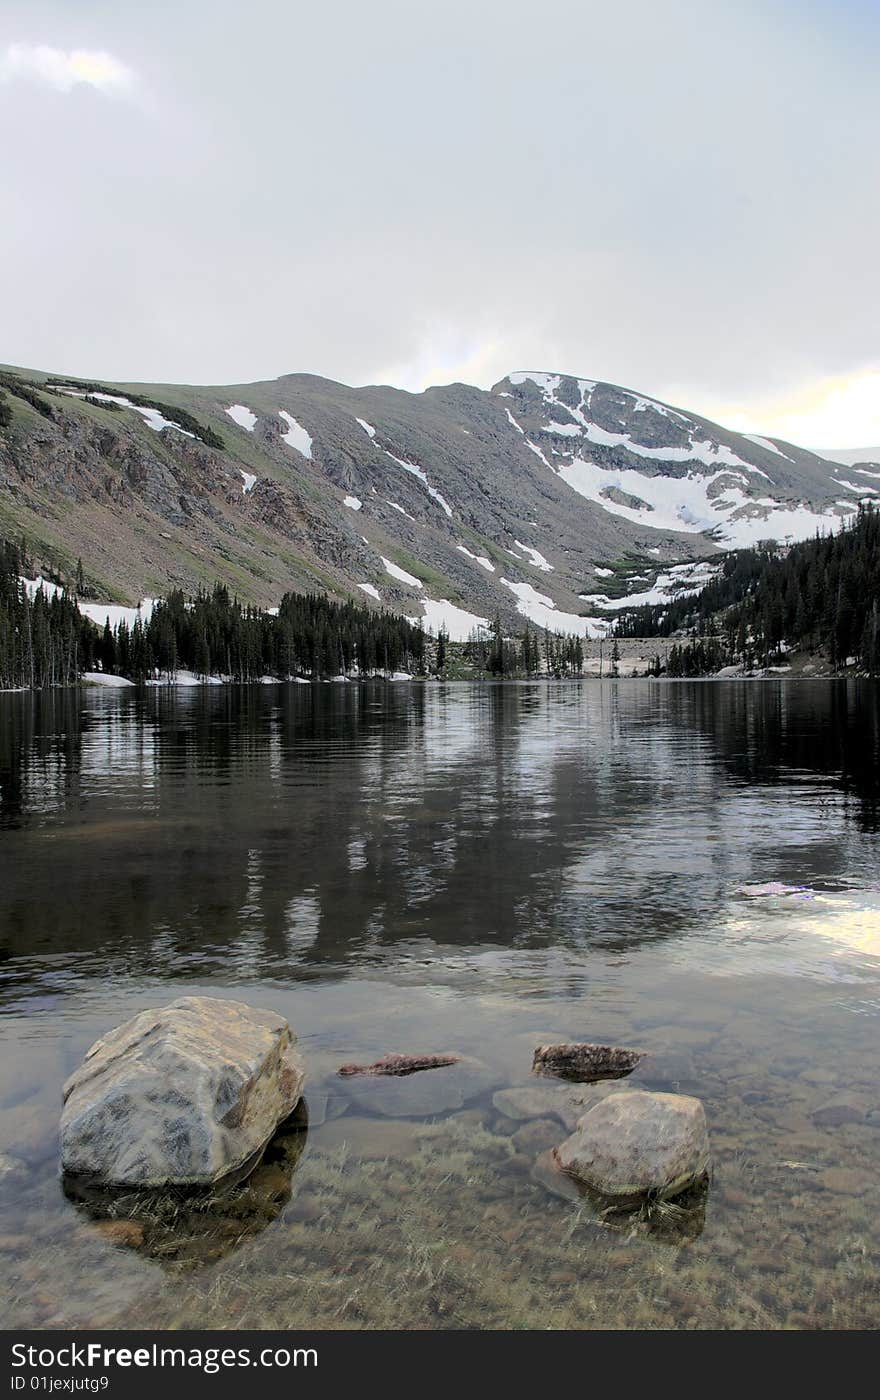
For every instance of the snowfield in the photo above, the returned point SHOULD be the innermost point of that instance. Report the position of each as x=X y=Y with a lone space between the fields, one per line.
x=767 y=445
x=242 y=416
x=577 y=423
x=367 y=427
x=99 y=613
x=536 y=558
x=352 y=502
x=400 y=574
x=541 y=610
x=711 y=496
x=33 y=586
x=686 y=503
x=296 y=435
x=458 y=622
x=114 y=613
x=480 y=559
x=371 y=589
x=680 y=581
x=416 y=471
x=395 y=506
x=151 y=416
x=249 y=481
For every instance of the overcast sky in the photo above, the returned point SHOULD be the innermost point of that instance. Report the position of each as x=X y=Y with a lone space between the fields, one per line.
x=679 y=197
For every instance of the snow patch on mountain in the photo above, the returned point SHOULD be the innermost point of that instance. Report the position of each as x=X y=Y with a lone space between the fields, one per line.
x=535 y=557
x=549 y=383
x=538 y=453
x=371 y=589
x=687 y=503
x=711 y=454
x=575 y=422
x=242 y=415
x=248 y=480
x=400 y=574
x=860 y=489
x=353 y=503
x=32 y=587
x=99 y=613
x=541 y=610
x=151 y=416
x=767 y=445
x=458 y=623
x=480 y=559
x=367 y=427
x=417 y=471
x=296 y=436
x=679 y=581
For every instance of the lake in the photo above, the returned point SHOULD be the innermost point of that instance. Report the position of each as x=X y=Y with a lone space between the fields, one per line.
x=690 y=869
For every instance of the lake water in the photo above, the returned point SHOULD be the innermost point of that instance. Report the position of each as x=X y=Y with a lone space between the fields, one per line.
x=691 y=869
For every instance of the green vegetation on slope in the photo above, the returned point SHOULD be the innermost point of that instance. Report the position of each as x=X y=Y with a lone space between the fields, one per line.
x=181 y=416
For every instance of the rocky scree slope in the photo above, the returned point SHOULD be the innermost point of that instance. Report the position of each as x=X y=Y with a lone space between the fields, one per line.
x=547 y=497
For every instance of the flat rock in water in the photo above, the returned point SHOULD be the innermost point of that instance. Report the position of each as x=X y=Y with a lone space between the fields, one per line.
x=636 y=1144
x=402 y=1064
x=180 y=1095
x=585 y=1062
x=420 y=1095
x=541 y=1101
x=370 y=1139
x=673 y=1071
x=840 y=1111
x=546 y=1172
x=11 y=1169
x=536 y=1135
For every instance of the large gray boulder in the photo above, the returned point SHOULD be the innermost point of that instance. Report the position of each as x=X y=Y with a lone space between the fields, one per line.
x=636 y=1144
x=180 y=1095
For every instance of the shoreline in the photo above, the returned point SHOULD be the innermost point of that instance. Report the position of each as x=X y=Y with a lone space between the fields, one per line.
x=121 y=683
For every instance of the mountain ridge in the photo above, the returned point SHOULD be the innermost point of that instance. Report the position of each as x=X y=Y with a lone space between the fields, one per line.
x=452 y=504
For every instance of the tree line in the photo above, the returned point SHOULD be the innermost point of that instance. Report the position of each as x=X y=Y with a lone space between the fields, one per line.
x=215 y=634
x=43 y=641
x=821 y=595
x=47 y=641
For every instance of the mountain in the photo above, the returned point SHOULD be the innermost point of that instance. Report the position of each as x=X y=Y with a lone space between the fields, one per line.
x=547 y=496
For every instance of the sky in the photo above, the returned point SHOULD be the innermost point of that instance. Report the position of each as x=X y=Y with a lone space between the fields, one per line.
x=681 y=198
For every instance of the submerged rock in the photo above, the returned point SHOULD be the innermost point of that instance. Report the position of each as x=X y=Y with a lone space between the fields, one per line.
x=187 y=1226
x=180 y=1095
x=11 y=1169
x=539 y=1101
x=839 y=1111
x=636 y=1144
x=535 y=1135
x=420 y=1095
x=671 y=1071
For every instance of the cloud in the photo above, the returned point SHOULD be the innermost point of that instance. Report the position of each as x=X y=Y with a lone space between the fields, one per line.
x=65 y=69
x=838 y=412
